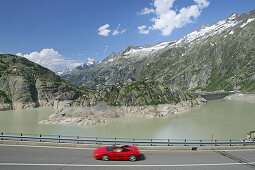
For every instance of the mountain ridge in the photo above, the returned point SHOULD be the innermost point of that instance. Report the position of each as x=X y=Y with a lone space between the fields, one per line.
x=210 y=45
x=24 y=84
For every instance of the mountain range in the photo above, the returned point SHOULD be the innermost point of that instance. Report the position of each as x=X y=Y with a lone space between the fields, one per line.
x=215 y=57
x=25 y=85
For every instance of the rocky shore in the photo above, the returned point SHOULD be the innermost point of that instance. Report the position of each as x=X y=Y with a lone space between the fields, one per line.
x=5 y=106
x=103 y=113
x=241 y=97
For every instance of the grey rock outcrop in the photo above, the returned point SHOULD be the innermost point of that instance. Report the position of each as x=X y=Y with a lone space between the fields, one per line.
x=103 y=113
x=146 y=99
x=24 y=84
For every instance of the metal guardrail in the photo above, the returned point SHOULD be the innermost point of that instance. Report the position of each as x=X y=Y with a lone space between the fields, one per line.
x=120 y=141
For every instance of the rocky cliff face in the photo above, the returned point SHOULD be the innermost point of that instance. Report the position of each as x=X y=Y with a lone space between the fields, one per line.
x=24 y=84
x=216 y=57
x=146 y=99
x=140 y=93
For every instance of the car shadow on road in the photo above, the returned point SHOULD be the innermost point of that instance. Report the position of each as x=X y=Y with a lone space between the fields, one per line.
x=142 y=157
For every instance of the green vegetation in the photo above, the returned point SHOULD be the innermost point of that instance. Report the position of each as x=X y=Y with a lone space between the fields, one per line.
x=218 y=62
x=27 y=82
x=144 y=92
x=6 y=98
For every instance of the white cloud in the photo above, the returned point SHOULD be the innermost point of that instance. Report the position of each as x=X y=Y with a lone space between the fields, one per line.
x=143 y=29
x=51 y=59
x=146 y=11
x=115 y=32
x=202 y=3
x=167 y=19
x=118 y=30
x=103 y=30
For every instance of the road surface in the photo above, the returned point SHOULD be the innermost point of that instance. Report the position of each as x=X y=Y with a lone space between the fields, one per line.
x=50 y=158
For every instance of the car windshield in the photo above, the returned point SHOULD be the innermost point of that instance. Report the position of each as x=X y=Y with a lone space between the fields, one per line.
x=110 y=148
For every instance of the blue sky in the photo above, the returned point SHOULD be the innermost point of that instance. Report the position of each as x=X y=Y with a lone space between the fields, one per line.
x=64 y=33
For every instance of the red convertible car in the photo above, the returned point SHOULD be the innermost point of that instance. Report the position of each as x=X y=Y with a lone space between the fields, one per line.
x=117 y=153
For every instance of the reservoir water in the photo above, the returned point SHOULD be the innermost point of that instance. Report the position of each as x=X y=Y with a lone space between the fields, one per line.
x=224 y=119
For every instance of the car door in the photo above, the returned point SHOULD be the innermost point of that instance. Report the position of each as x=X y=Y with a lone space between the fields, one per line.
x=118 y=155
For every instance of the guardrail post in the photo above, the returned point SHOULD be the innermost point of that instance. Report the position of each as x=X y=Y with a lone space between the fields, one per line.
x=96 y=140
x=115 y=141
x=59 y=138
x=77 y=139
x=133 y=142
x=2 y=135
x=168 y=142
x=215 y=142
x=230 y=142
x=151 y=142
x=201 y=142
x=21 y=136
x=243 y=142
x=185 y=142
x=40 y=137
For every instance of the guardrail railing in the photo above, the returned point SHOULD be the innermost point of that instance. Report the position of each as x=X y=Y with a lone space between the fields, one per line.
x=119 y=141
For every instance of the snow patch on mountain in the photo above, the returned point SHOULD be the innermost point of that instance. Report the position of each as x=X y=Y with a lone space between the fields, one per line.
x=247 y=22
x=231 y=32
x=204 y=32
x=110 y=60
x=60 y=73
x=146 y=49
x=86 y=66
x=209 y=30
x=91 y=61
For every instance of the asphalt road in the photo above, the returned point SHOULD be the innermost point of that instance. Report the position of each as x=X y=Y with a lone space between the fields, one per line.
x=25 y=157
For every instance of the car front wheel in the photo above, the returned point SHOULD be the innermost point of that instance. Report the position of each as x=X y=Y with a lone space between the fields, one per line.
x=132 y=158
x=105 y=157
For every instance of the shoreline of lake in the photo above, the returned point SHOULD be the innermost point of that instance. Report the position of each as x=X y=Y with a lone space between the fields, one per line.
x=103 y=113
x=224 y=118
x=246 y=97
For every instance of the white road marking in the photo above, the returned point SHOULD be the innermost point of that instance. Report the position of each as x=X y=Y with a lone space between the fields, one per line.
x=81 y=165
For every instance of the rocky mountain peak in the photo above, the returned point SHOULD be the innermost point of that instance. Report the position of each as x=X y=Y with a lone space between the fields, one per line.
x=206 y=59
x=233 y=16
x=88 y=65
x=209 y=30
x=111 y=57
x=127 y=49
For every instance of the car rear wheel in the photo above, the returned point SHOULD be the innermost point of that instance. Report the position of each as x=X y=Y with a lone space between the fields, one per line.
x=132 y=158
x=105 y=157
